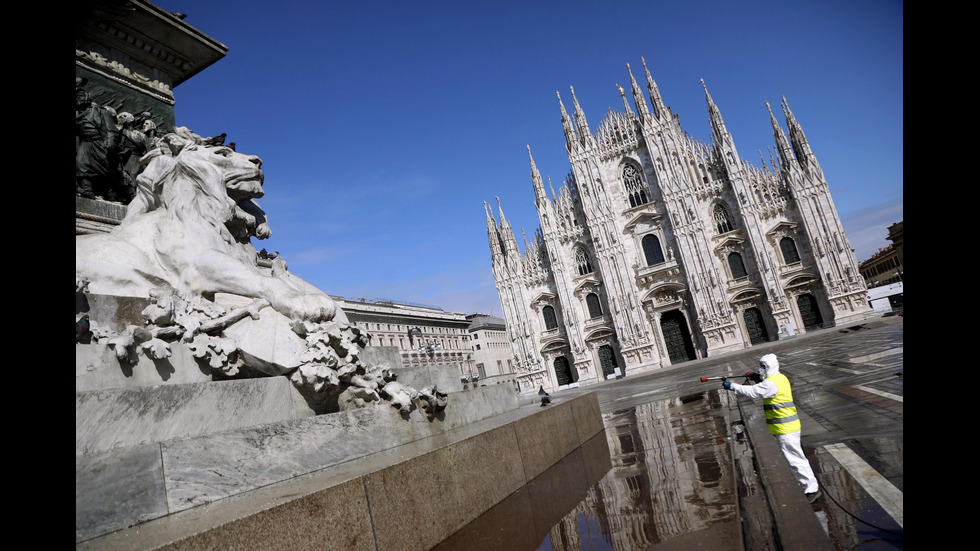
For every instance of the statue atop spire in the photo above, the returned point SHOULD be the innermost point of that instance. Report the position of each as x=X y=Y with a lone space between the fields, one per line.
x=626 y=105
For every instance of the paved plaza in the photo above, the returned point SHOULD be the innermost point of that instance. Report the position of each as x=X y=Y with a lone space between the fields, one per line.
x=663 y=426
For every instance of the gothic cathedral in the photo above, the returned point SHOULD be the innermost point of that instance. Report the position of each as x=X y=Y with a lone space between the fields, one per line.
x=658 y=248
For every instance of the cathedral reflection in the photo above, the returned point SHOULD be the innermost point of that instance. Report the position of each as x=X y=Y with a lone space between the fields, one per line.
x=671 y=476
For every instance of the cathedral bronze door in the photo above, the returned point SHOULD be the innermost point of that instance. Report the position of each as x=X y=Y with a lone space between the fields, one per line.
x=607 y=359
x=563 y=372
x=677 y=337
x=809 y=312
x=755 y=326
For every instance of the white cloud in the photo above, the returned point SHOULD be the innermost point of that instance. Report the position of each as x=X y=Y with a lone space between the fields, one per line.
x=867 y=228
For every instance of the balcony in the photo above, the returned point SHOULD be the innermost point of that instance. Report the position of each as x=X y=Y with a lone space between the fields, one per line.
x=648 y=275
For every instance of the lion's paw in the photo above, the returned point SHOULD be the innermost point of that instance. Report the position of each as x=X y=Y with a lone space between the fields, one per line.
x=306 y=306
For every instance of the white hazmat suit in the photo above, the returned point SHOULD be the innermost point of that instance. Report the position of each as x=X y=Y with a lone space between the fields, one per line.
x=789 y=442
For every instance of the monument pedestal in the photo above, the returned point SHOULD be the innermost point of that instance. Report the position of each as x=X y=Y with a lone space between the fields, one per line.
x=166 y=456
x=97 y=216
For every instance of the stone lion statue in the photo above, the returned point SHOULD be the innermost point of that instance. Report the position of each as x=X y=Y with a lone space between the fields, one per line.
x=189 y=229
x=185 y=246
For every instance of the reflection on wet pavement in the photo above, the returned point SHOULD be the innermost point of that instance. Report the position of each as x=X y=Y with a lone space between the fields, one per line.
x=660 y=477
x=666 y=475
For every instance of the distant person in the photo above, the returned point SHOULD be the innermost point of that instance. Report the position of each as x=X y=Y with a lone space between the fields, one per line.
x=781 y=418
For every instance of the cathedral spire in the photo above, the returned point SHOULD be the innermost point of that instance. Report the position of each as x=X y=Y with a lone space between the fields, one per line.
x=493 y=235
x=583 y=125
x=503 y=221
x=717 y=123
x=772 y=161
x=782 y=144
x=566 y=123
x=507 y=234
x=798 y=139
x=660 y=110
x=638 y=99
x=539 y=192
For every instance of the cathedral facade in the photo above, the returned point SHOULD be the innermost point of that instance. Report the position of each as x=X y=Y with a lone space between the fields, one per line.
x=658 y=248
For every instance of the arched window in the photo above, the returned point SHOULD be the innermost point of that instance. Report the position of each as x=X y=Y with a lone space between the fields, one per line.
x=790 y=254
x=595 y=309
x=652 y=250
x=737 y=266
x=583 y=262
x=634 y=186
x=550 y=321
x=722 y=220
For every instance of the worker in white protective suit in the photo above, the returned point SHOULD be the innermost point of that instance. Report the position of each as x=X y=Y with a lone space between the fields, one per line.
x=781 y=418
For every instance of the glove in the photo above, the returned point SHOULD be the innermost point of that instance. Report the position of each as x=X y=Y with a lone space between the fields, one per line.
x=727 y=385
x=757 y=377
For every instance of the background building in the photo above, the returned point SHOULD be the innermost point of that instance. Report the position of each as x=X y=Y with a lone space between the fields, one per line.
x=886 y=266
x=492 y=354
x=884 y=273
x=423 y=335
x=658 y=248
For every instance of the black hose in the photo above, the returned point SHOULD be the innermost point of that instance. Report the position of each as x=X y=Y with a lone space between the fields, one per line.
x=901 y=535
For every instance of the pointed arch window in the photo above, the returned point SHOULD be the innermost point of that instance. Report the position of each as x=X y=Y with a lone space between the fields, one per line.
x=633 y=182
x=583 y=262
x=737 y=266
x=723 y=221
x=788 y=247
x=652 y=250
x=595 y=309
x=550 y=320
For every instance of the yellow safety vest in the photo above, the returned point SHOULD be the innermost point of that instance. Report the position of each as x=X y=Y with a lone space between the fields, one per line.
x=781 y=416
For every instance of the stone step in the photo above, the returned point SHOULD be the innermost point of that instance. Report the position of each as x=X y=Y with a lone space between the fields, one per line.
x=405 y=498
x=138 y=457
x=107 y=420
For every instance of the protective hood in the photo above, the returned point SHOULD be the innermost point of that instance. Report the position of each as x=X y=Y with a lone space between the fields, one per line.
x=770 y=364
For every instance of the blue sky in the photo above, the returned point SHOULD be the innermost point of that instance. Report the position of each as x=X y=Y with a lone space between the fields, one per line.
x=385 y=126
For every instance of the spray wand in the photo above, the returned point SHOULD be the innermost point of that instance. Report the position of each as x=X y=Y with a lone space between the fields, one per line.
x=748 y=377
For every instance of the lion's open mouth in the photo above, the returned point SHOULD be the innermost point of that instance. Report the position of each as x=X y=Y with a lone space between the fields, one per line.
x=245 y=184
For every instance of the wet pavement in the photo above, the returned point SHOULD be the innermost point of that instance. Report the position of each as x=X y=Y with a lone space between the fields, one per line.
x=675 y=470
